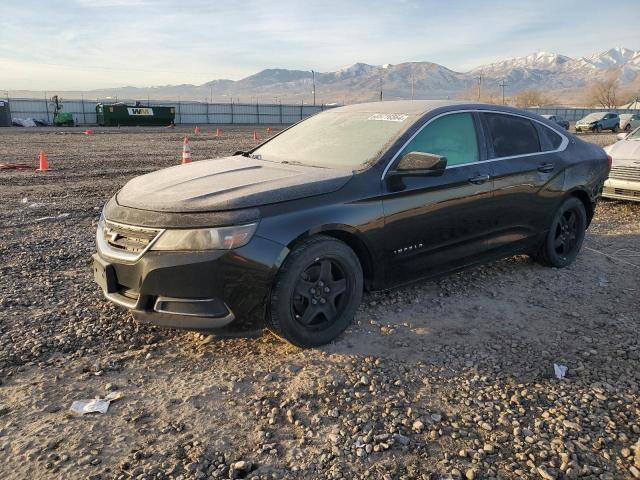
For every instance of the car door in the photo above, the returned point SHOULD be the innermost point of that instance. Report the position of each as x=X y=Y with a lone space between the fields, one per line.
x=438 y=223
x=528 y=174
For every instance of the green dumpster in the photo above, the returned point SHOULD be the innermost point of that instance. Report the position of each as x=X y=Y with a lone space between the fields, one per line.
x=117 y=114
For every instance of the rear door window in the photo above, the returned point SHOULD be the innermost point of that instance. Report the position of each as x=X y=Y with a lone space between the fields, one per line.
x=510 y=135
x=549 y=140
x=452 y=136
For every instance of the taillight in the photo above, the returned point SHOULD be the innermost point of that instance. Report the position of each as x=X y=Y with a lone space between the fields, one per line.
x=610 y=159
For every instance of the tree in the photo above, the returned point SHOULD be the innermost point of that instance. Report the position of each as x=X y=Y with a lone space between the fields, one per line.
x=531 y=98
x=604 y=92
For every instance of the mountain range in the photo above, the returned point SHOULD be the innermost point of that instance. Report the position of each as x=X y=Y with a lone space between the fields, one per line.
x=562 y=77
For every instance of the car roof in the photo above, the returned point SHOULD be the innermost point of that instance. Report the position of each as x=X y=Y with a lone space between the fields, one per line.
x=421 y=107
x=410 y=107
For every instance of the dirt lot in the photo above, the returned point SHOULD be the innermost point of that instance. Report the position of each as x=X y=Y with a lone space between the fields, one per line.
x=447 y=379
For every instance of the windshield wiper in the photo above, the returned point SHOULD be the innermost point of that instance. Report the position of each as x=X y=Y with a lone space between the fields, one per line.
x=241 y=152
x=295 y=162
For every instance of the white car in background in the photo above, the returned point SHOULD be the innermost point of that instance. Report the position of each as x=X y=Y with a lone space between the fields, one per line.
x=624 y=177
x=629 y=121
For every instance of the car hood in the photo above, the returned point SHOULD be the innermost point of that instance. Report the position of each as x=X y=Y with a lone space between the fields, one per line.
x=624 y=150
x=226 y=184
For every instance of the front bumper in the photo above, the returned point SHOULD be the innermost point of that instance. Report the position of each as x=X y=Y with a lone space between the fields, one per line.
x=194 y=290
x=621 y=189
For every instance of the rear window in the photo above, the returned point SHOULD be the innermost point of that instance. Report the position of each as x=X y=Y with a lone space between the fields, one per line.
x=510 y=135
x=549 y=140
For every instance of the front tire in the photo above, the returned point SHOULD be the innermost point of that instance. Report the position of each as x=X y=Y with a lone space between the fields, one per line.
x=316 y=293
x=598 y=129
x=615 y=129
x=566 y=234
x=627 y=127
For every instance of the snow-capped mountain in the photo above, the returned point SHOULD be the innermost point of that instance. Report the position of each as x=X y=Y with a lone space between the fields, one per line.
x=545 y=70
x=549 y=72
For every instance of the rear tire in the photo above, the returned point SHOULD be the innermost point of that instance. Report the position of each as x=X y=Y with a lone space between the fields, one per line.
x=627 y=127
x=316 y=292
x=566 y=234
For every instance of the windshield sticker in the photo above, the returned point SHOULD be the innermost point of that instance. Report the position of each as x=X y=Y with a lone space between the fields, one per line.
x=389 y=117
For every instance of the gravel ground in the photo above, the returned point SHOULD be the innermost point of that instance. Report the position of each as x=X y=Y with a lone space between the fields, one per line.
x=446 y=379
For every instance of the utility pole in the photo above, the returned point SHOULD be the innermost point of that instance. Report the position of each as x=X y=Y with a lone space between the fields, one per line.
x=413 y=87
x=313 y=77
x=380 y=86
x=502 y=84
x=479 y=78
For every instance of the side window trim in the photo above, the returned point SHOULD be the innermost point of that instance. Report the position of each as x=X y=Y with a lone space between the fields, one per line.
x=561 y=148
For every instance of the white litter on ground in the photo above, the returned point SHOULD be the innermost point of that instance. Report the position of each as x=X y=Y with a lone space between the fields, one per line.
x=560 y=371
x=99 y=405
x=57 y=217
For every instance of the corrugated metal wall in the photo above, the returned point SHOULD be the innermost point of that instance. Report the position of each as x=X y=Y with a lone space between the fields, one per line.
x=84 y=111
x=573 y=114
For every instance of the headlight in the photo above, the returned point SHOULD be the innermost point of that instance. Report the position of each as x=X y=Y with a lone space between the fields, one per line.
x=222 y=238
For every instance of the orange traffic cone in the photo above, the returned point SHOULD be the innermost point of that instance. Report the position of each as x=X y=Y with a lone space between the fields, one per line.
x=255 y=135
x=186 y=151
x=269 y=129
x=196 y=130
x=44 y=164
x=217 y=132
x=88 y=132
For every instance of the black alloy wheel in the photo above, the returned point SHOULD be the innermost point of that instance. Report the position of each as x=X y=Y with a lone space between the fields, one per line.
x=566 y=234
x=320 y=295
x=316 y=292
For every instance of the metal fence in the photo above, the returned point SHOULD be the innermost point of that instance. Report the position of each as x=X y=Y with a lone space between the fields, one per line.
x=573 y=114
x=84 y=111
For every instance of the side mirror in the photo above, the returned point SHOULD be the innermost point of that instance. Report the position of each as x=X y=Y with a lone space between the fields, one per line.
x=622 y=136
x=419 y=164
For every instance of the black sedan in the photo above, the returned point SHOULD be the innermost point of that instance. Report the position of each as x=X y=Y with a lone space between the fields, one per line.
x=288 y=235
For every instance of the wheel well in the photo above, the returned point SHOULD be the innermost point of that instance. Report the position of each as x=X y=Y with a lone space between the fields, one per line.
x=586 y=201
x=357 y=245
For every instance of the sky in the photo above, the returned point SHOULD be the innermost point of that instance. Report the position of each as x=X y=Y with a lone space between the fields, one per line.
x=87 y=44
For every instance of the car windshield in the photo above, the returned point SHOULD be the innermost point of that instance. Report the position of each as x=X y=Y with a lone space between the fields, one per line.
x=635 y=135
x=592 y=117
x=336 y=139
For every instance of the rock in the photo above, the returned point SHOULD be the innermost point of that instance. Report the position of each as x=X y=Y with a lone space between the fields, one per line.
x=486 y=426
x=544 y=473
x=240 y=469
x=401 y=439
x=470 y=474
x=417 y=426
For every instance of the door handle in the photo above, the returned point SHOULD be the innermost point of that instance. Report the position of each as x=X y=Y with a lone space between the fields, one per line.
x=546 y=167
x=479 y=179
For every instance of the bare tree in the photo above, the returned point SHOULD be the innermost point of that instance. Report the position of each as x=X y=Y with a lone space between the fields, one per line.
x=531 y=98
x=604 y=92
